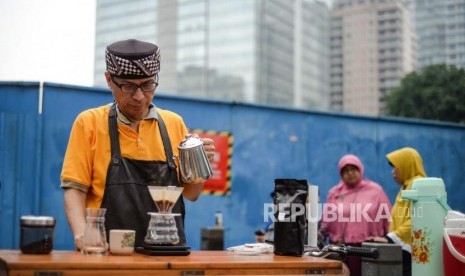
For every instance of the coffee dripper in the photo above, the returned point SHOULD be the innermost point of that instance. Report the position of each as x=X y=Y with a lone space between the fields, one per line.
x=162 y=228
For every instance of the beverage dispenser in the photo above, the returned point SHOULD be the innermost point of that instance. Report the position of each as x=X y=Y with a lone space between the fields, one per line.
x=428 y=210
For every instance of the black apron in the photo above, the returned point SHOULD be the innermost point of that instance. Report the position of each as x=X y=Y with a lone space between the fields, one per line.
x=126 y=195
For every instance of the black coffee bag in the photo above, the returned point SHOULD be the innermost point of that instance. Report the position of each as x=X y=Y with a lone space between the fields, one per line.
x=290 y=227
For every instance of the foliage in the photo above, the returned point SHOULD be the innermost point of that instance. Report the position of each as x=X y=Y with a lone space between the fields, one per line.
x=436 y=93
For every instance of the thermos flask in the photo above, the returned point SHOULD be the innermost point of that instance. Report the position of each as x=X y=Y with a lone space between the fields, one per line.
x=428 y=210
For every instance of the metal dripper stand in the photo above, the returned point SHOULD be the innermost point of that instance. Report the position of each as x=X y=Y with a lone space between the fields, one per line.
x=162 y=234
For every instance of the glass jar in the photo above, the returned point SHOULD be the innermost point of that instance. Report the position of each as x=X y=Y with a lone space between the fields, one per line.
x=36 y=234
x=94 y=240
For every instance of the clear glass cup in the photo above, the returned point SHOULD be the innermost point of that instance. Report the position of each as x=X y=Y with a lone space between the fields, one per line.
x=94 y=240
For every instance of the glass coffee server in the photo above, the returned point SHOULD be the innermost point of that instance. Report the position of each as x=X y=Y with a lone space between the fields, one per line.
x=162 y=234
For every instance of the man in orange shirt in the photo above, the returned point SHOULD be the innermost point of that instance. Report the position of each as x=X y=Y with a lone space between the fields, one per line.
x=115 y=151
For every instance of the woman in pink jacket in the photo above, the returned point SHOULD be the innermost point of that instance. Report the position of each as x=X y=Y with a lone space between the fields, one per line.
x=356 y=208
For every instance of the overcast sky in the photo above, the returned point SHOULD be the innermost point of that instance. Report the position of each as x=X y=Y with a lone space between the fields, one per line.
x=47 y=40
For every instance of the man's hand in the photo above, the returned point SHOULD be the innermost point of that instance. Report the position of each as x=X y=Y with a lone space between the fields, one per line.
x=75 y=207
x=209 y=147
x=78 y=242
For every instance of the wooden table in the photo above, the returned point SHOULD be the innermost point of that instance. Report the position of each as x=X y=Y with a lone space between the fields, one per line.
x=64 y=263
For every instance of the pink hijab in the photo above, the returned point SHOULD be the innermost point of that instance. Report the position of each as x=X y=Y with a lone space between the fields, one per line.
x=370 y=192
x=350 y=159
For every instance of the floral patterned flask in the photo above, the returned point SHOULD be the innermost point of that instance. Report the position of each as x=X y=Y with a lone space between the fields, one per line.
x=428 y=210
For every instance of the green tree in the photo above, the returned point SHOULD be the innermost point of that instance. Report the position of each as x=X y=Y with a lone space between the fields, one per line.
x=436 y=93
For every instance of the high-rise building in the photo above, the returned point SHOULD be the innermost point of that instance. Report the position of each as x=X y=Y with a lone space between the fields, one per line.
x=373 y=47
x=440 y=27
x=259 y=51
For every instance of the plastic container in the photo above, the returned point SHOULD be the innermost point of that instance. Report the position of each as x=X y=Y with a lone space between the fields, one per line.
x=36 y=234
x=428 y=210
x=454 y=244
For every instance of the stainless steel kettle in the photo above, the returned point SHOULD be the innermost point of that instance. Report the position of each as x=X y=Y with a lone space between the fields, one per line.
x=193 y=161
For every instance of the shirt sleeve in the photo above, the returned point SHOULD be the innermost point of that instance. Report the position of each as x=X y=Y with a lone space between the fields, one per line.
x=401 y=223
x=73 y=185
x=77 y=164
x=405 y=228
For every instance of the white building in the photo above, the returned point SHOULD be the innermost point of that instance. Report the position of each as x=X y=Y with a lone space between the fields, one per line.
x=440 y=27
x=373 y=46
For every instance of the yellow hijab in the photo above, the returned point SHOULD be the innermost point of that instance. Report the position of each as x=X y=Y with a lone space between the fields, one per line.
x=410 y=165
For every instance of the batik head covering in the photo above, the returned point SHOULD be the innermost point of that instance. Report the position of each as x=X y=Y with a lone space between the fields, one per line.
x=132 y=59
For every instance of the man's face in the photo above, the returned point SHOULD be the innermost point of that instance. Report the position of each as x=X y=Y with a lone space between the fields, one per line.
x=134 y=105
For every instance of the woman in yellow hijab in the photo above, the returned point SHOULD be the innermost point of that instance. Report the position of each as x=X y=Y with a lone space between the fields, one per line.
x=407 y=165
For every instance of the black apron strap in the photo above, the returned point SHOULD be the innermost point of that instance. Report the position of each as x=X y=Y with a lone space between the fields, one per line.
x=114 y=138
x=166 y=143
x=171 y=165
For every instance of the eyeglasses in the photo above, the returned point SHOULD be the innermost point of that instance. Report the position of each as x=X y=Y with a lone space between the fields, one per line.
x=132 y=88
